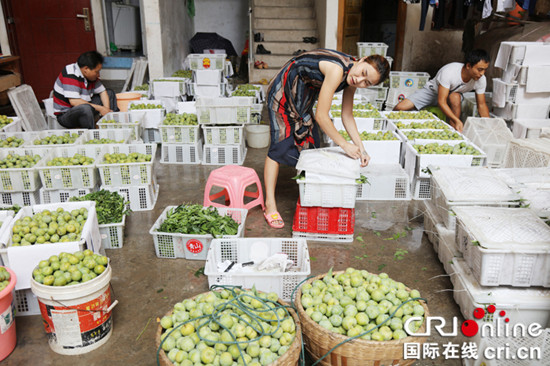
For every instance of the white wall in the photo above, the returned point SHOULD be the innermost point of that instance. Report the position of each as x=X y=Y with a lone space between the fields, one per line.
x=428 y=50
x=228 y=18
x=327 y=22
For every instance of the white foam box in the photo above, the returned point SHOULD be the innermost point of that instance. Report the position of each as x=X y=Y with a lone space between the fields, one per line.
x=21 y=179
x=385 y=182
x=181 y=153
x=472 y=186
x=521 y=305
x=529 y=128
x=123 y=174
x=23 y=259
x=141 y=197
x=242 y=250
x=169 y=87
x=191 y=246
x=504 y=246
x=68 y=176
x=133 y=120
x=224 y=154
x=207 y=77
x=186 y=107
x=382 y=151
x=152 y=118
x=416 y=164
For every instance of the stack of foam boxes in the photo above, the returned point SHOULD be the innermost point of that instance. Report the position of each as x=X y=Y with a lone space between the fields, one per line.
x=328 y=188
x=181 y=136
x=209 y=72
x=523 y=91
x=493 y=251
x=376 y=95
x=222 y=122
x=135 y=178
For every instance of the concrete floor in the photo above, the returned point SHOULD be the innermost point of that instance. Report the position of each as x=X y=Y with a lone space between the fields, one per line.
x=147 y=287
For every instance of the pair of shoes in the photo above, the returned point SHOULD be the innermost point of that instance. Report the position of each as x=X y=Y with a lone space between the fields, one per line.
x=258 y=37
x=274 y=220
x=261 y=50
x=310 y=39
x=298 y=52
x=260 y=65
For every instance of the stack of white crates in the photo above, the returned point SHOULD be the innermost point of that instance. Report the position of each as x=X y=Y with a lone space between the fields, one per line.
x=152 y=112
x=222 y=122
x=523 y=90
x=492 y=135
x=181 y=144
x=208 y=75
x=403 y=84
x=375 y=94
x=486 y=244
x=135 y=181
x=20 y=185
x=425 y=131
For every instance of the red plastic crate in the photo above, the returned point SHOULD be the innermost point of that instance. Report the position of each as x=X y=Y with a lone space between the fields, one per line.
x=324 y=220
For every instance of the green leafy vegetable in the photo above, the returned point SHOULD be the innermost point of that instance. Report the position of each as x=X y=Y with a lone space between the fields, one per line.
x=110 y=206
x=196 y=219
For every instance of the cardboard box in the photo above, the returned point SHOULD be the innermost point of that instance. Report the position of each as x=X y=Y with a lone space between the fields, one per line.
x=9 y=80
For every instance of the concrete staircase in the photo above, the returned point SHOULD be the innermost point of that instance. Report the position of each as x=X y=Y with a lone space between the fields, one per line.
x=283 y=24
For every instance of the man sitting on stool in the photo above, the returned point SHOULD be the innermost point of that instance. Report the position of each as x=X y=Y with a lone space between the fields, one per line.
x=78 y=94
x=447 y=87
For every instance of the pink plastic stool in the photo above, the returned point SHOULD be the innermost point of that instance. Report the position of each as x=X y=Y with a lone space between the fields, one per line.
x=234 y=180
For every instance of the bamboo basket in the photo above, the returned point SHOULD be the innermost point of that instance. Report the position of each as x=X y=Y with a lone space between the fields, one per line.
x=290 y=358
x=359 y=352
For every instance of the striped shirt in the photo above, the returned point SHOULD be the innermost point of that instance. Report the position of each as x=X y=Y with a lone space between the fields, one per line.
x=71 y=84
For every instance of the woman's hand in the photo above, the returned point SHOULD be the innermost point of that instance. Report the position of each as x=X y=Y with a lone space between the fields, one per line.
x=365 y=158
x=352 y=150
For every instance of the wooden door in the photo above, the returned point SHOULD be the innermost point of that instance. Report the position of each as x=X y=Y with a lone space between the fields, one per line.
x=349 y=25
x=49 y=34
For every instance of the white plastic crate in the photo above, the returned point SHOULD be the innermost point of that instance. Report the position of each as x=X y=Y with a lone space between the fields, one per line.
x=492 y=135
x=132 y=120
x=242 y=250
x=179 y=134
x=452 y=186
x=523 y=110
x=16 y=135
x=435 y=230
x=396 y=95
x=151 y=136
x=152 y=118
x=515 y=93
x=504 y=246
x=521 y=305
x=515 y=73
x=333 y=238
x=518 y=178
x=327 y=194
x=22 y=260
x=382 y=151
x=209 y=91
x=181 y=153
x=385 y=182
x=61 y=195
x=537 y=200
x=169 y=87
x=15 y=126
x=420 y=188
x=191 y=246
x=224 y=154
x=26 y=303
x=469 y=104
x=367 y=49
x=373 y=93
x=20 y=198
x=232 y=110
x=530 y=128
x=416 y=164
x=527 y=153
x=31 y=136
x=112 y=235
x=208 y=77
x=122 y=136
x=206 y=61
x=408 y=80
x=21 y=179
x=141 y=197
x=124 y=174
x=363 y=124
x=69 y=176
x=515 y=52
x=223 y=135
x=403 y=134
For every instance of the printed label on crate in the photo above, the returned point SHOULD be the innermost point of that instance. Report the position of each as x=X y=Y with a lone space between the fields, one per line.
x=194 y=246
x=79 y=325
x=400 y=97
x=6 y=320
x=409 y=82
x=206 y=63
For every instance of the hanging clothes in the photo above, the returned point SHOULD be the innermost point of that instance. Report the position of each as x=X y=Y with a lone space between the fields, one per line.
x=438 y=18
